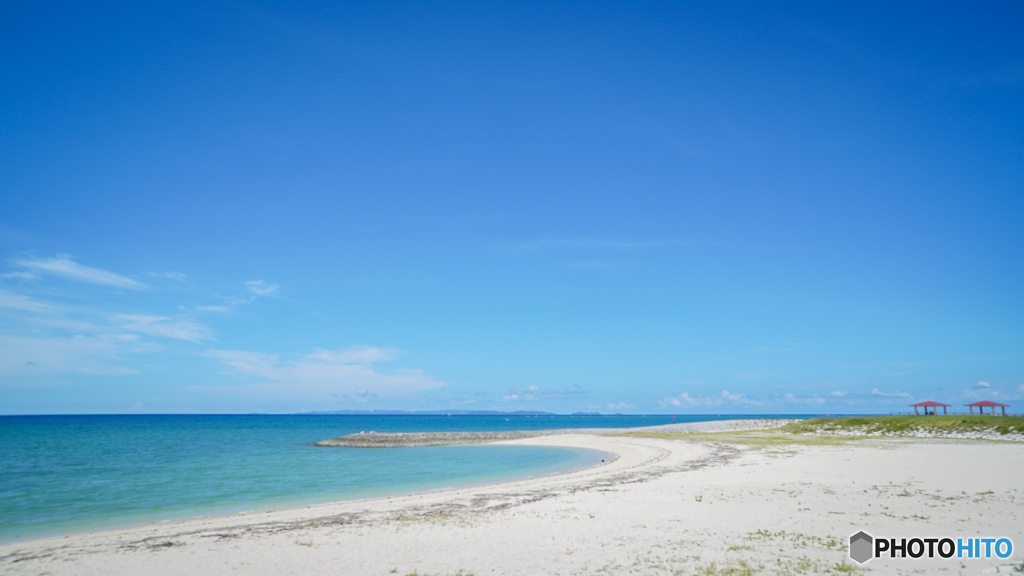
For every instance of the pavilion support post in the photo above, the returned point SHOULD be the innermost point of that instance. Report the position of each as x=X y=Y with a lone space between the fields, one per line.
x=915 y=411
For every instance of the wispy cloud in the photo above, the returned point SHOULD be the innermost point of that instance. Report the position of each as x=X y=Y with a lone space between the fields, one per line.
x=522 y=394
x=792 y=398
x=736 y=398
x=66 y=333
x=253 y=290
x=64 y=266
x=85 y=354
x=22 y=303
x=685 y=399
x=261 y=288
x=983 y=391
x=620 y=406
x=531 y=393
x=324 y=373
x=162 y=327
x=896 y=394
x=219 y=309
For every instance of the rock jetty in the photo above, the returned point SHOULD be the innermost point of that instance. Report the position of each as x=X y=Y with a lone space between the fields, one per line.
x=397 y=439
x=394 y=440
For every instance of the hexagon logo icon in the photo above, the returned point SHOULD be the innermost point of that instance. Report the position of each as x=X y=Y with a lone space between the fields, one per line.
x=860 y=547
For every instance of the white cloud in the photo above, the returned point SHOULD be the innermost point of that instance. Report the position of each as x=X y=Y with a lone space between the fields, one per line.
x=97 y=354
x=179 y=276
x=162 y=327
x=803 y=400
x=254 y=289
x=620 y=406
x=739 y=399
x=531 y=393
x=896 y=394
x=19 y=274
x=354 y=355
x=735 y=398
x=220 y=309
x=522 y=394
x=23 y=303
x=838 y=393
x=325 y=372
x=982 y=391
x=261 y=288
x=685 y=399
x=65 y=266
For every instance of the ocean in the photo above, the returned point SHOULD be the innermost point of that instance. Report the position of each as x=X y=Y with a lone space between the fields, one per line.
x=63 y=474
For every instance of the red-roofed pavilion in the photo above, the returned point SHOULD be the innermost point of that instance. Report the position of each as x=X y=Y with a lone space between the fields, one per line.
x=987 y=404
x=927 y=405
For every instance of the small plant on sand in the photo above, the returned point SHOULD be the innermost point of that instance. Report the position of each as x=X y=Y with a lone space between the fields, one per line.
x=713 y=569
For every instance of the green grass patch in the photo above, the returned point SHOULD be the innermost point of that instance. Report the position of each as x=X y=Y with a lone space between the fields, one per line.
x=842 y=430
x=860 y=425
x=754 y=438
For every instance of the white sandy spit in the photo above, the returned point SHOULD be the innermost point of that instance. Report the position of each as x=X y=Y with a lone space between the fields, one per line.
x=664 y=506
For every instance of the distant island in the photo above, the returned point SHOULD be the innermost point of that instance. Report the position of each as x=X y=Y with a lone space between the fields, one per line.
x=431 y=413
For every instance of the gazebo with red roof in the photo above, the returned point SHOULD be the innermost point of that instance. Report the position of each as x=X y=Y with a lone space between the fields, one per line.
x=927 y=405
x=987 y=404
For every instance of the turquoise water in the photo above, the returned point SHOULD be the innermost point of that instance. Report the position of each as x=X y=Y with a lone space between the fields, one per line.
x=63 y=474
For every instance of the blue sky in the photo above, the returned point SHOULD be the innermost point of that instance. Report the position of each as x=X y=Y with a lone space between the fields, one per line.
x=616 y=207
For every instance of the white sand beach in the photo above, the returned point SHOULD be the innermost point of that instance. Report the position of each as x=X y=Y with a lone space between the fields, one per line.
x=664 y=506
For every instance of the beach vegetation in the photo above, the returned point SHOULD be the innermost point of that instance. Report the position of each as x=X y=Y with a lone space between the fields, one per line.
x=836 y=431
x=751 y=438
x=741 y=569
x=909 y=425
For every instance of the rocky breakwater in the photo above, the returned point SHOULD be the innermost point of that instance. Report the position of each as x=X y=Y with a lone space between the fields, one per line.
x=394 y=440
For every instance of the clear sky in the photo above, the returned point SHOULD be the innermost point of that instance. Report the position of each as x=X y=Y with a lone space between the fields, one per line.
x=656 y=207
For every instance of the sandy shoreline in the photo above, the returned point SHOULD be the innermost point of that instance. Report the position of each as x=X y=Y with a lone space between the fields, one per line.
x=665 y=506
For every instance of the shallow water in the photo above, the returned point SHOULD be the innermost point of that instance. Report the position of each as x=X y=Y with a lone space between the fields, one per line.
x=63 y=474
